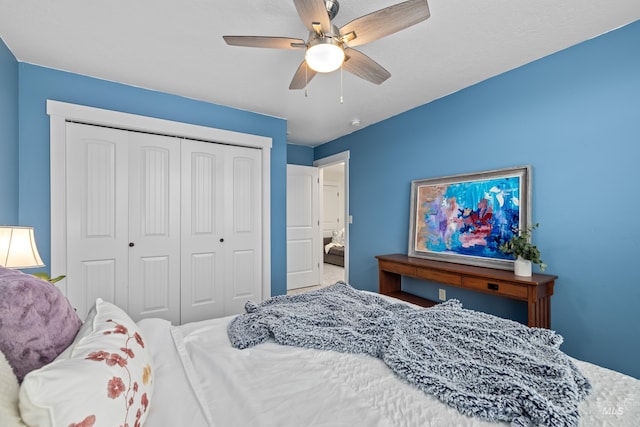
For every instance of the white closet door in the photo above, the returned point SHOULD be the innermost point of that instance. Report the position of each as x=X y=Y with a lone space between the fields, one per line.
x=243 y=227
x=221 y=229
x=203 y=260
x=154 y=226
x=160 y=226
x=97 y=216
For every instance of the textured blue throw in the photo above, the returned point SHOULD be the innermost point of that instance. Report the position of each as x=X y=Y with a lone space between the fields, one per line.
x=482 y=365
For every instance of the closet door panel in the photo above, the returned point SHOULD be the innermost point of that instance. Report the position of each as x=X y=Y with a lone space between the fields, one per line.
x=243 y=275
x=96 y=227
x=202 y=269
x=101 y=274
x=156 y=288
x=203 y=237
x=243 y=225
x=154 y=227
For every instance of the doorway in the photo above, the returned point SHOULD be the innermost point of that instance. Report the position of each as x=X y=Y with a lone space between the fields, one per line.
x=331 y=202
x=334 y=208
x=333 y=224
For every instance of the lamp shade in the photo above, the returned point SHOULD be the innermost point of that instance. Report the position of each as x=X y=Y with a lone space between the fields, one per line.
x=18 y=248
x=324 y=55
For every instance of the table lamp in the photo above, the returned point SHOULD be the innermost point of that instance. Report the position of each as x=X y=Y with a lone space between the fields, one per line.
x=18 y=248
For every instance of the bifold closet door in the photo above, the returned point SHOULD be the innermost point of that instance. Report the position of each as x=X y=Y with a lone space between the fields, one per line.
x=162 y=226
x=123 y=242
x=221 y=229
x=243 y=228
x=154 y=226
x=97 y=216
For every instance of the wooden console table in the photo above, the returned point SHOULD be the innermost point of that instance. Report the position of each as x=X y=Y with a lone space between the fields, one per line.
x=535 y=290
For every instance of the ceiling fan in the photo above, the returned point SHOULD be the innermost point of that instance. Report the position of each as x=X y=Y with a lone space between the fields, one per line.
x=329 y=47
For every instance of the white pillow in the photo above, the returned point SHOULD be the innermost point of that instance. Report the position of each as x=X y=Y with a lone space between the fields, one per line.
x=337 y=237
x=102 y=379
x=9 y=414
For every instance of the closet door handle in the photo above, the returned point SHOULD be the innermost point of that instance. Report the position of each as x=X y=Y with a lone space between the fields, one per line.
x=221 y=240
x=131 y=244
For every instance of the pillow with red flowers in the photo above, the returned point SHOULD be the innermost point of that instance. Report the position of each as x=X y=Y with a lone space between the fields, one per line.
x=104 y=378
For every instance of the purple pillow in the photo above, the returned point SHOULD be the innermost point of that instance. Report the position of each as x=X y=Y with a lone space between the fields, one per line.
x=36 y=321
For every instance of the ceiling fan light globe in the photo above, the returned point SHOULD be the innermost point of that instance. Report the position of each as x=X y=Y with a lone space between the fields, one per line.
x=325 y=56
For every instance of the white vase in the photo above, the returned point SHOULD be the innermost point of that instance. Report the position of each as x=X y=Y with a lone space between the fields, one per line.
x=522 y=267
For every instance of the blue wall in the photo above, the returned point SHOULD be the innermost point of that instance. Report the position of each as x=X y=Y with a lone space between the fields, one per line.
x=575 y=117
x=299 y=155
x=37 y=84
x=8 y=137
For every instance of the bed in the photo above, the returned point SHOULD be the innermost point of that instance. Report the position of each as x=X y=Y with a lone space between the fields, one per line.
x=195 y=375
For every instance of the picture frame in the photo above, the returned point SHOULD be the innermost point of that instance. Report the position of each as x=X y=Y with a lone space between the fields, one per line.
x=465 y=218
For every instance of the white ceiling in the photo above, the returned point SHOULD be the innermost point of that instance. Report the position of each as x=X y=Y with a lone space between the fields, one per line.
x=177 y=47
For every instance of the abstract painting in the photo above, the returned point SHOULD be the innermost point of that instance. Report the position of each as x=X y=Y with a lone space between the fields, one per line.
x=465 y=218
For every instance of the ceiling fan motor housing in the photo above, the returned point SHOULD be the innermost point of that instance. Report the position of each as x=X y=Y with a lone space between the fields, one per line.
x=332 y=8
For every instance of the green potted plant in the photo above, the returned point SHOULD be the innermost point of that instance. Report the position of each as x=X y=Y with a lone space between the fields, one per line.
x=525 y=252
x=45 y=276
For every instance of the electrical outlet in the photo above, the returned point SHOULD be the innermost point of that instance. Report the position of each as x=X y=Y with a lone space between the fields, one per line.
x=442 y=294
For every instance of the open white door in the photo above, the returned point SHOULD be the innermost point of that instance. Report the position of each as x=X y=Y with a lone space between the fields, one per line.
x=304 y=244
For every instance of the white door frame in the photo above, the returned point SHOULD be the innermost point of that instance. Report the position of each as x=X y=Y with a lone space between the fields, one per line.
x=335 y=159
x=61 y=112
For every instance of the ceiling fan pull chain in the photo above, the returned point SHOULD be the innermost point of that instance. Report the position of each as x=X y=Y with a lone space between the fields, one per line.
x=306 y=80
x=341 y=86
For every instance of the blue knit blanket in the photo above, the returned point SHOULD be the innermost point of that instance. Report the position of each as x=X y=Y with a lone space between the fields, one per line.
x=482 y=365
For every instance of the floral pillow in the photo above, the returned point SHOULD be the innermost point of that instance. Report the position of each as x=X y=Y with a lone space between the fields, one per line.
x=104 y=378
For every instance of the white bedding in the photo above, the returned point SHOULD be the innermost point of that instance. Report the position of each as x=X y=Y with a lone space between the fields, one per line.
x=202 y=381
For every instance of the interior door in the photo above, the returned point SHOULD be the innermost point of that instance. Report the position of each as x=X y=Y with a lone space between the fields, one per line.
x=243 y=228
x=304 y=244
x=97 y=216
x=203 y=261
x=154 y=226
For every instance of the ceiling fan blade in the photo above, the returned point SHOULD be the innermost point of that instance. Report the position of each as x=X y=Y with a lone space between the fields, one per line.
x=269 y=42
x=386 y=21
x=364 y=67
x=311 y=11
x=303 y=75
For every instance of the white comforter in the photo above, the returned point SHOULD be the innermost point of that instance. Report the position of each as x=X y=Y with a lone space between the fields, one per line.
x=200 y=380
